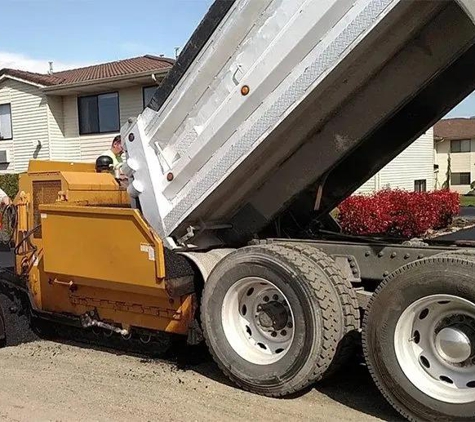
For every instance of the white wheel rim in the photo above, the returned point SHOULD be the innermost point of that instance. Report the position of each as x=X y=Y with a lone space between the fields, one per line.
x=435 y=347
x=258 y=321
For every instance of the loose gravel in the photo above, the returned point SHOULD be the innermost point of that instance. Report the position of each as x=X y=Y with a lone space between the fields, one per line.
x=17 y=327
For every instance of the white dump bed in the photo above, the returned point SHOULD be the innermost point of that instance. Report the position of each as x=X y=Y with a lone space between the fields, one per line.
x=274 y=98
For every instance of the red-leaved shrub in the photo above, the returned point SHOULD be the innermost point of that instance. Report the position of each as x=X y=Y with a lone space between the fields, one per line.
x=398 y=213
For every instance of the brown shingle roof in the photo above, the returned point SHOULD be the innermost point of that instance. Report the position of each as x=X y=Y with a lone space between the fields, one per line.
x=455 y=129
x=37 y=78
x=98 y=72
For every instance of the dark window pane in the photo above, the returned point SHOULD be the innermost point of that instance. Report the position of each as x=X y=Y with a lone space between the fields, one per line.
x=109 y=112
x=148 y=94
x=455 y=146
x=465 y=178
x=463 y=145
x=460 y=178
x=88 y=115
x=420 y=185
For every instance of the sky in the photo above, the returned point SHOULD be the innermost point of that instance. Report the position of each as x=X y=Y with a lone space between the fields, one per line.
x=465 y=109
x=75 y=33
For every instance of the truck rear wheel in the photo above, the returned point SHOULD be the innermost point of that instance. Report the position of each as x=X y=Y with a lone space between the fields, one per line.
x=419 y=339
x=272 y=319
x=349 y=304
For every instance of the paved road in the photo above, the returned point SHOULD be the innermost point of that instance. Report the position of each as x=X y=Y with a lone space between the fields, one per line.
x=467 y=234
x=468 y=212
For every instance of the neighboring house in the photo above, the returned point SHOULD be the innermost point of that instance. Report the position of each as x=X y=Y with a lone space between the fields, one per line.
x=412 y=170
x=454 y=143
x=73 y=114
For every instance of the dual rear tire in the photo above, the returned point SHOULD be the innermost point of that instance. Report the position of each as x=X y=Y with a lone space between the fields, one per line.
x=277 y=318
x=419 y=339
x=274 y=317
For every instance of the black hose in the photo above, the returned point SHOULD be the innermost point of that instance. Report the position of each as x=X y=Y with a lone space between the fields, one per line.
x=26 y=238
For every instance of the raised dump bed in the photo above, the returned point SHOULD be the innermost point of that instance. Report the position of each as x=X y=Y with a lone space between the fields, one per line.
x=275 y=112
x=273 y=100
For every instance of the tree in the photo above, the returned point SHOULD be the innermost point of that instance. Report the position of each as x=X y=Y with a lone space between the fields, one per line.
x=446 y=185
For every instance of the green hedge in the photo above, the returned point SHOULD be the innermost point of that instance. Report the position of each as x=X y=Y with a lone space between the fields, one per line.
x=9 y=183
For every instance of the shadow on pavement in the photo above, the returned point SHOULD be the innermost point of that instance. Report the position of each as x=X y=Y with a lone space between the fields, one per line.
x=355 y=388
x=352 y=386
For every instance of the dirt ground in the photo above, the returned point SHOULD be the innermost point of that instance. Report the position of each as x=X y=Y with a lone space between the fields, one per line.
x=46 y=381
x=60 y=381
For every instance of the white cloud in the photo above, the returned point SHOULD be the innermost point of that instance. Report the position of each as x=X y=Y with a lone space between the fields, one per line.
x=23 y=62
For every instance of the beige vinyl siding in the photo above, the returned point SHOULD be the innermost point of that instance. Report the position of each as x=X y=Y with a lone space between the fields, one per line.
x=415 y=163
x=130 y=102
x=70 y=117
x=91 y=146
x=460 y=162
x=60 y=149
x=441 y=157
x=6 y=145
x=370 y=186
x=29 y=124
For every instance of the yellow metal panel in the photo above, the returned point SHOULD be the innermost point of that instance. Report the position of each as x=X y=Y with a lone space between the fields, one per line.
x=127 y=309
x=90 y=181
x=39 y=166
x=98 y=198
x=104 y=247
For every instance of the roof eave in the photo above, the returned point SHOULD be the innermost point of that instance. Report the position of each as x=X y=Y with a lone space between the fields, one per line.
x=25 y=81
x=455 y=138
x=63 y=87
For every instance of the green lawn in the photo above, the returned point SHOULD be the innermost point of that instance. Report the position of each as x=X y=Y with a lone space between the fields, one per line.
x=467 y=201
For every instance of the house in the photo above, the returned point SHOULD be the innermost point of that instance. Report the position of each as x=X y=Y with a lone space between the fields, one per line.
x=454 y=143
x=412 y=170
x=73 y=114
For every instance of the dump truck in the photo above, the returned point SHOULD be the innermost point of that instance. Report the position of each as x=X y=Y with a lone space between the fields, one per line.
x=274 y=112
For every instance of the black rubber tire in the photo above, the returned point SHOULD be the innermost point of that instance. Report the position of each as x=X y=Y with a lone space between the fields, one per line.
x=317 y=315
x=3 y=331
x=443 y=274
x=346 y=348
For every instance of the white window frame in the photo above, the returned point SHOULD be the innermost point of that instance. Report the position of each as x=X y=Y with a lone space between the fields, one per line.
x=3 y=137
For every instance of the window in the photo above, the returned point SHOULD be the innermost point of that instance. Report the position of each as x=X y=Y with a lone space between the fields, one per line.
x=99 y=113
x=5 y=121
x=148 y=92
x=463 y=145
x=420 y=185
x=460 y=178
